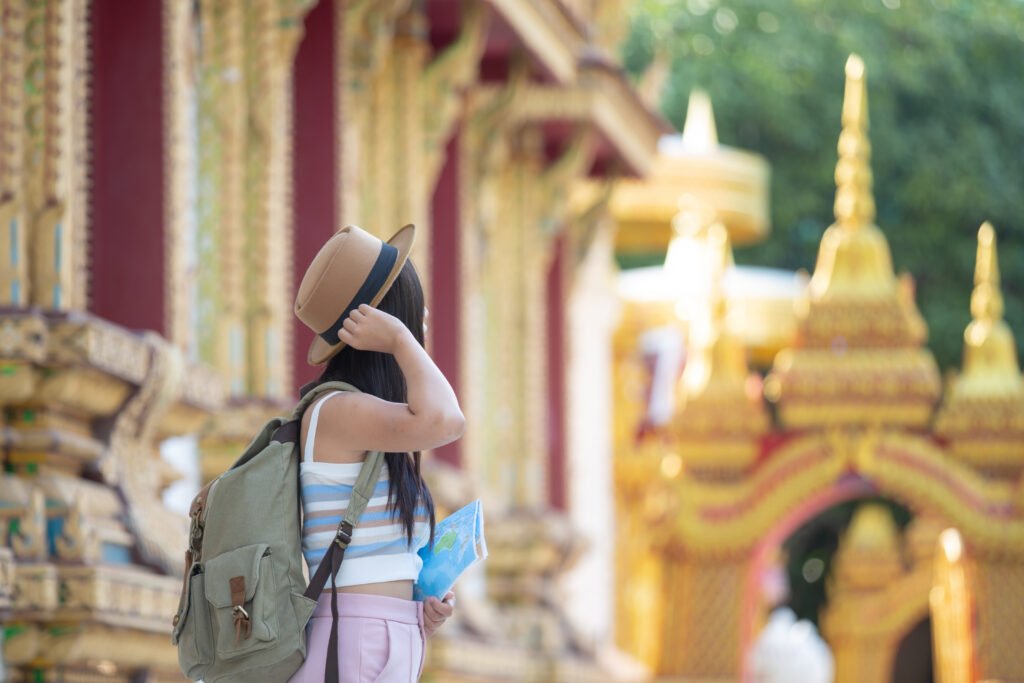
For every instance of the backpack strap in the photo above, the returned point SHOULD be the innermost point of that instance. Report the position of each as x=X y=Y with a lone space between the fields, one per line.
x=362 y=492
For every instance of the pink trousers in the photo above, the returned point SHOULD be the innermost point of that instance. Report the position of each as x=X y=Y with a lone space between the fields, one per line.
x=380 y=640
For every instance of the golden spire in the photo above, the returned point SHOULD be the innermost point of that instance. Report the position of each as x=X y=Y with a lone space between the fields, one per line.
x=699 y=131
x=854 y=260
x=854 y=204
x=990 y=352
x=987 y=299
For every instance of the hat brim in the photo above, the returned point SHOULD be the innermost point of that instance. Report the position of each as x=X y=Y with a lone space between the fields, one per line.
x=320 y=351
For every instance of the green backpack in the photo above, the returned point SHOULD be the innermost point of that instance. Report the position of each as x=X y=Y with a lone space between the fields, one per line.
x=244 y=602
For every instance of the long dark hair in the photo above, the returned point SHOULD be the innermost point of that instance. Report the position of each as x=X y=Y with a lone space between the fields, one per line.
x=378 y=374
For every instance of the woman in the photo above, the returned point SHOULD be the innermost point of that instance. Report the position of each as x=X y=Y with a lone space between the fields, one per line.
x=364 y=300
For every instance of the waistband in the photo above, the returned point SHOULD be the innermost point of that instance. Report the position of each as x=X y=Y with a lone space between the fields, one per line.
x=371 y=607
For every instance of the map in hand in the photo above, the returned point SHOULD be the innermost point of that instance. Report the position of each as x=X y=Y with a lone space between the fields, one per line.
x=458 y=544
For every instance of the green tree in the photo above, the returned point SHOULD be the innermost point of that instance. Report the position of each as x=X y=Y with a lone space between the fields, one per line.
x=946 y=103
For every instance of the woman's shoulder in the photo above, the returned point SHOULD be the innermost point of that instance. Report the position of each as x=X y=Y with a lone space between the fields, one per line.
x=330 y=443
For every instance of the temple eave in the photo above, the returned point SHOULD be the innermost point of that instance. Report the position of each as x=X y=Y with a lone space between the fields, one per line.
x=547 y=32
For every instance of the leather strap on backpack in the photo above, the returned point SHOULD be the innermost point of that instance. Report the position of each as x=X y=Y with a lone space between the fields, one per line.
x=362 y=492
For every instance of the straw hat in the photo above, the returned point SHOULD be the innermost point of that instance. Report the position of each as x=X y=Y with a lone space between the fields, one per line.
x=351 y=269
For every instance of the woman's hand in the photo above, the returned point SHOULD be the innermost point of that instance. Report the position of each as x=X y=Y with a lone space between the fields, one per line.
x=370 y=329
x=436 y=612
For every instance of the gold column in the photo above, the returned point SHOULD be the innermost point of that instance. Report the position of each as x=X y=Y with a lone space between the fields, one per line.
x=483 y=162
x=221 y=191
x=13 y=266
x=269 y=51
x=54 y=166
x=180 y=72
x=444 y=80
x=952 y=632
x=525 y=329
x=393 y=189
x=364 y=33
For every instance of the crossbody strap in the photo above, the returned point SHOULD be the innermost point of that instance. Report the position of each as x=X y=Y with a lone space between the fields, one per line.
x=361 y=494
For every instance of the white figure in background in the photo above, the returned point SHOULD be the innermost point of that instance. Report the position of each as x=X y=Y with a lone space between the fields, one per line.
x=665 y=346
x=790 y=651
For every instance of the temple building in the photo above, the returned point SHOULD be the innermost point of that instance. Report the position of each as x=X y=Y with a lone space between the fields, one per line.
x=743 y=421
x=169 y=168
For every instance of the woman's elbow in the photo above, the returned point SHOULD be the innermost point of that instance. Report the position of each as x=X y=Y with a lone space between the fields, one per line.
x=454 y=425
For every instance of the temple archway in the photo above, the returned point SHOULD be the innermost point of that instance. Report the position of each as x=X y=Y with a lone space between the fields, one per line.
x=871 y=617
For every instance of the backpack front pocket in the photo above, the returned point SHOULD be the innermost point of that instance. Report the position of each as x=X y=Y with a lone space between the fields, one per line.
x=240 y=589
x=192 y=632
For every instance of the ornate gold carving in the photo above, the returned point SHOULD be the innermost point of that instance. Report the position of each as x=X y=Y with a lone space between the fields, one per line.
x=129 y=462
x=601 y=98
x=14 y=270
x=89 y=516
x=220 y=191
x=989 y=346
x=24 y=516
x=268 y=247
x=179 y=230
x=854 y=265
x=855 y=320
x=35 y=588
x=6 y=579
x=871 y=607
x=444 y=81
x=80 y=339
x=243 y=236
x=983 y=414
x=869 y=554
x=53 y=172
x=365 y=29
x=119 y=596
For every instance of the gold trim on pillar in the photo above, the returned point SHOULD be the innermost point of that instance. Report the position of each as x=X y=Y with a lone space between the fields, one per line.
x=54 y=163
x=14 y=282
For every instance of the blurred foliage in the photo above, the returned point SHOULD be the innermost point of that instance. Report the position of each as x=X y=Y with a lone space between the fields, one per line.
x=946 y=102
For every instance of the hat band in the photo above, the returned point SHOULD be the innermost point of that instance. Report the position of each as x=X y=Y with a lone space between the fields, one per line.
x=371 y=286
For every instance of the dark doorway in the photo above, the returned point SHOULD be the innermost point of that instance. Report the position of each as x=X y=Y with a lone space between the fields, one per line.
x=914 y=657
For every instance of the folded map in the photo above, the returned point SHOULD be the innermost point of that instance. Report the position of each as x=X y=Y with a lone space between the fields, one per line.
x=458 y=545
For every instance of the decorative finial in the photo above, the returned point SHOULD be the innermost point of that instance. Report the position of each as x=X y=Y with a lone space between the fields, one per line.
x=990 y=352
x=855 y=100
x=699 y=131
x=987 y=299
x=854 y=205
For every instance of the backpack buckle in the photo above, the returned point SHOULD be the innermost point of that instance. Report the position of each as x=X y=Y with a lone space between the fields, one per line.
x=344 y=535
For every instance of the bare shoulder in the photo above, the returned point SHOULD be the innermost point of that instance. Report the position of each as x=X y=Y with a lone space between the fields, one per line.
x=363 y=422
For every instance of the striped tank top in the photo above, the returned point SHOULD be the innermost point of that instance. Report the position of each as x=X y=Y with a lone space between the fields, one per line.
x=379 y=550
